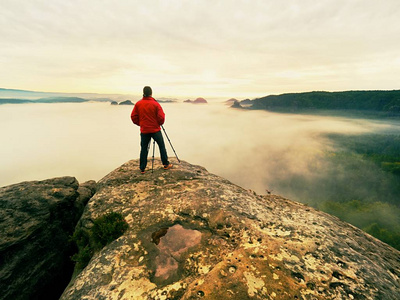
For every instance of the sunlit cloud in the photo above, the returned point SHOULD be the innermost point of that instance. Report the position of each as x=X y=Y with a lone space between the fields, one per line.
x=108 y=46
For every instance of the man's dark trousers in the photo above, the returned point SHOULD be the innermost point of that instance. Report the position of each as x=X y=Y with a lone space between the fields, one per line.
x=144 y=144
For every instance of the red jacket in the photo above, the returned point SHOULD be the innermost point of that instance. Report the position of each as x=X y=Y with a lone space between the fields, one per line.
x=148 y=114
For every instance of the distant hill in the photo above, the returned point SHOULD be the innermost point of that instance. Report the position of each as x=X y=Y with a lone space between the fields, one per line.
x=24 y=94
x=56 y=99
x=236 y=104
x=382 y=101
x=200 y=100
x=231 y=101
x=43 y=100
x=126 y=102
x=34 y=95
x=197 y=101
x=61 y=100
x=14 y=101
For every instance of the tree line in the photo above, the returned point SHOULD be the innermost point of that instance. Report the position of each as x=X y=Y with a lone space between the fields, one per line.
x=369 y=197
x=383 y=101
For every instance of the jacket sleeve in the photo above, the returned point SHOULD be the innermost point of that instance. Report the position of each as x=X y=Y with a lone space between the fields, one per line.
x=135 y=116
x=160 y=115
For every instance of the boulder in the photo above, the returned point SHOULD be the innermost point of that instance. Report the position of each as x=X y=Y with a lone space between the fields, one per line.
x=36 y=220
x=195 y=235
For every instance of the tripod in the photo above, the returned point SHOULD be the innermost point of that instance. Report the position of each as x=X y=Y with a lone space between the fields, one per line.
x=152 y=160
x=148 y=148
x=170 y=143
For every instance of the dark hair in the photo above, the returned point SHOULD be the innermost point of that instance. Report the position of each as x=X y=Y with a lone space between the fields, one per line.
x=147 y=91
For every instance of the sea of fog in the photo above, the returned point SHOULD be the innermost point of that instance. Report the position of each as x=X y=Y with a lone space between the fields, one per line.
x=254 y=149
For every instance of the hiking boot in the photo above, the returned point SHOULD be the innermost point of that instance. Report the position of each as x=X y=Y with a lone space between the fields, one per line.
x=142 y=171
x=166 y=167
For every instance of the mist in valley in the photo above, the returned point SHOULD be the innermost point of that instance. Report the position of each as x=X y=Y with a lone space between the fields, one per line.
x=301 y=157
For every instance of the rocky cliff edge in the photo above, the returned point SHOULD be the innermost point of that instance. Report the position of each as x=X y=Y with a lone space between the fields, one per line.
x=194 y=235
x=37 y=219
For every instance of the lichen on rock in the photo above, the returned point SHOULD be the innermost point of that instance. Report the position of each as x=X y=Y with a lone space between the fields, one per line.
x=196 y=235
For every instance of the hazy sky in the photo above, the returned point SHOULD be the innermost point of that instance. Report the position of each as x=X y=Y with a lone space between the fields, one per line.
x=200 y=48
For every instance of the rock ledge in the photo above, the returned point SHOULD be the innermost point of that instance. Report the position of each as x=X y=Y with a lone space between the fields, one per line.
x=195 y=235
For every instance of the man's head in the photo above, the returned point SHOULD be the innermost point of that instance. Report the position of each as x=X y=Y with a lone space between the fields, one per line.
x=147 y=92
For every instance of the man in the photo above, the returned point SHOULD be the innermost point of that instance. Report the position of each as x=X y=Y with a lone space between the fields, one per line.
x=148 y=114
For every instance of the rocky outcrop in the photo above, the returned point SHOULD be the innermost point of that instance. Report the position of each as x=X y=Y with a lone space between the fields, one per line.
x=126 y=102
x=200 y=100
x=197 y=101
x=36 y=220
x=236 y=104
x=194 y=235
x=230 y=101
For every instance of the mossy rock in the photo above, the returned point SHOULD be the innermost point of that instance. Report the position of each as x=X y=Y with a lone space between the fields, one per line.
x=105 y=229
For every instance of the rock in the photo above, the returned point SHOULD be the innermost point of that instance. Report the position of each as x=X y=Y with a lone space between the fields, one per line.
x=86 y=190
x=36 y=220
x=246 y=102
x=236 y=104
x=197 y=101
x=230 y=101
x=200 y=100
x=114 y=103
x=126 y=102
x=195 y=235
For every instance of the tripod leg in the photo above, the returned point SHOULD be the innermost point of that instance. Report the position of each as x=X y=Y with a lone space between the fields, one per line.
x=170 y=143
x=152 y=161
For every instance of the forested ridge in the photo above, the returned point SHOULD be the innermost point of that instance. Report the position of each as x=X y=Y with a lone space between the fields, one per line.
x=378 y=211
x=383 y=101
